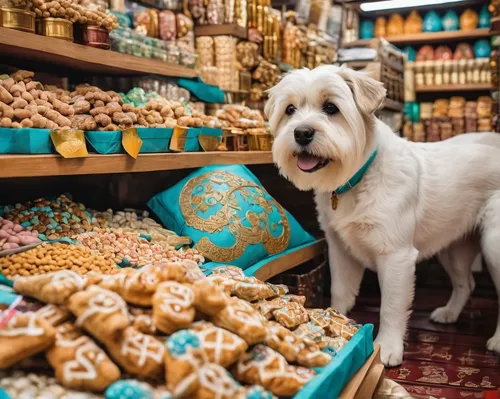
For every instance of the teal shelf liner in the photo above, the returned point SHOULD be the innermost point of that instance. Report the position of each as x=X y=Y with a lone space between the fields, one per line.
x=203 y=91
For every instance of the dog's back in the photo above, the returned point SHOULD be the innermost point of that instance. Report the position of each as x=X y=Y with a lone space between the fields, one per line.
x=490 y=139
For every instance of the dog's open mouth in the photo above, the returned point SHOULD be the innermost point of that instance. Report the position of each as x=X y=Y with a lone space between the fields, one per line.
x=310 y=163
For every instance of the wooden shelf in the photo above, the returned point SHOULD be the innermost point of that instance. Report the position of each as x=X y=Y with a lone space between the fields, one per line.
x=452 y=36
x=454 y=87
x=55 y=165
x=36 y=48
x=218 y=30
x=291 y=260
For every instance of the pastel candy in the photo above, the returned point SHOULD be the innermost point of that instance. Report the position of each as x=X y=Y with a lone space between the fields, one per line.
x=128 y=389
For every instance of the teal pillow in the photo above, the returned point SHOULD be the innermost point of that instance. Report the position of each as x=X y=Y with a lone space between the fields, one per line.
x=230 y=217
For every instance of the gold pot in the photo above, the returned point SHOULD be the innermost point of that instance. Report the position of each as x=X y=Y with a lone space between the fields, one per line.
x=14 y=18
x=58 y=28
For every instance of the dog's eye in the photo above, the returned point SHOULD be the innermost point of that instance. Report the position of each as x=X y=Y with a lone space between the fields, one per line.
x=330 y=109
x=290 y=110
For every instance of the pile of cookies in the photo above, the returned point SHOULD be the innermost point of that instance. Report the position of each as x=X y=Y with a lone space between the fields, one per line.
x=190 y=336
x=241 y=118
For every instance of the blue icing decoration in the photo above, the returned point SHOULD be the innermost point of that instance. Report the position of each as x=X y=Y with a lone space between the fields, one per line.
x=26 y=224
x=4 y=394
x=128 y=389
x=179 y=342
x=331 y=351
x=257 y=392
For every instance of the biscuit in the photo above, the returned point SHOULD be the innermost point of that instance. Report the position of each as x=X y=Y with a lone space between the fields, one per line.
x=266 y=308
x=209 y=298
x=78 y=362
x=232 y=272
x=334 y=323
x=242 y=319
x=215 y=382
x=101 y=312
x=173 y=307
x=24 y=335
x=254 y=392
x=252 y=289
x=312 y=333
x=291 y=315
x=54 y=314
x=137 y=353
x=54 y=287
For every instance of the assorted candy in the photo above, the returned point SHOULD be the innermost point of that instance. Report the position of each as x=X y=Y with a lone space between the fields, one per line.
x=13 y=235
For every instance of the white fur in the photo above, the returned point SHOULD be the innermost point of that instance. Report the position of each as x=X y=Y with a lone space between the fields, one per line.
x=415 y=201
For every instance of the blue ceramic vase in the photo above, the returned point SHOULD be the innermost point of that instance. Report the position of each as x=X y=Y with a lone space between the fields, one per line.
x=482 y=49
x=432 y=22
x=450 y=21
x=366 y=29
x=484 y=17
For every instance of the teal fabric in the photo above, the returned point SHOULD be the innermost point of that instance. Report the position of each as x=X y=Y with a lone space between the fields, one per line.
x=357 y=176
x=227 y=203
x=192 y=143
x=155 y=139
x=7 y=295
x=105 y=142
x=332 y=378
x=6 y=140
x=202 y=91
x=25 y=141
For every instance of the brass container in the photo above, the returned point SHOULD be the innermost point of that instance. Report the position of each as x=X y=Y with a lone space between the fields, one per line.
x=58 y=28
x=14 y=18
x=260 y=142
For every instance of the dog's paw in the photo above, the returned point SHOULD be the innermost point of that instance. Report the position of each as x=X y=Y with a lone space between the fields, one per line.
x=494 y=343
x=444 y=315
x=391 y=351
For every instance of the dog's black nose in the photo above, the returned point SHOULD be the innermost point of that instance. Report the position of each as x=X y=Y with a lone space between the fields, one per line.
x=303 y=135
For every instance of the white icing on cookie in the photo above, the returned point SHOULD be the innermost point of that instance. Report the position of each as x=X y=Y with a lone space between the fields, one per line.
x=68 y=279
x=213 y=338
x=143 y=347
x=104 y=302
x=31 y=329
x=177 y=299
x=87 y=358
x=216 y=379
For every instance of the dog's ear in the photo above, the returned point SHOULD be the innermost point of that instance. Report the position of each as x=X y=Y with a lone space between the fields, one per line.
x=269 y=109
x=369 y=94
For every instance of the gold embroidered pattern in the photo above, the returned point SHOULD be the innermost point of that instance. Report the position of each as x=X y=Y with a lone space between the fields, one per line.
x=219 y=194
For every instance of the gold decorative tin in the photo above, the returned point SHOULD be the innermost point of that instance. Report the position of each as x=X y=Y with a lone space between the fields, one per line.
x=58 y=28
x=209 y=143
x=259 y=140
x=14 y=18
x=178 y=140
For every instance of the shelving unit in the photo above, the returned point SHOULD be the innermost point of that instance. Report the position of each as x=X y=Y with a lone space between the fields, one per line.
x=454 y=87
x=218 y=30
x=437 y=37
x=36 y=48
x=55 y=165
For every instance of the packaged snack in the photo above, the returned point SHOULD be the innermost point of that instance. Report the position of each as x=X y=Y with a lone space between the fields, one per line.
x=167 y=25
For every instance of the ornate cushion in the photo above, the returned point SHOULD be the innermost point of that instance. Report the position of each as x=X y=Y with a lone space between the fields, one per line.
x=229 y=215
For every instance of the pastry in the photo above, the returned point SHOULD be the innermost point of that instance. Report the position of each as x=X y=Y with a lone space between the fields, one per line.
x=101 y=312
x=233 y=272
x=312 y=333
x=334 y=323
x=54 y=314
x=215 y=382
x=209 y=298
x=54 y=287
x=266 y=367
x=78 y=362
x=145 y=324
x=242 y=319
x=252 y=289
x=137 y=353
x=219 y=345
x=23 y=335
x=173 y=306
x=291 y=315
x=266 y=308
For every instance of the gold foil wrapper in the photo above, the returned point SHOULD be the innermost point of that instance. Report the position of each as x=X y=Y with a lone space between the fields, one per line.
x=69 y=143
x=131 y=142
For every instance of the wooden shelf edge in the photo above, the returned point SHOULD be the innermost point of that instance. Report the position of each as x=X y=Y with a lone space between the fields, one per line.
x=291 y=260
x=55 y=165
x=224 y=29
x=427 y=37
x=454 y=87
x=29 y=46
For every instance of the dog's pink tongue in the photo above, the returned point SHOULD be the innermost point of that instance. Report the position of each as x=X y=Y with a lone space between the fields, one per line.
x=307 y=162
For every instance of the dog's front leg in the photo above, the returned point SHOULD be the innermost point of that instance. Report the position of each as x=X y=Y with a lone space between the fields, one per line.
x=346 y=274
x=396 y=274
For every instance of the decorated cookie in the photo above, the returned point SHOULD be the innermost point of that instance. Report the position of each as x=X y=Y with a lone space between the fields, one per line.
x=336 y=343
x=242 y=319
x=232 y=272
x=54 y=287
x=252 y=289
x=215 y=382
x=209 y=298
x=101 y=312
x=145 y=324
x=311 y=332
x=78 y=362
x=129 y=389
x=54 y=314
x=334 y=323
x=137 y=353
x=173 y=306
x=183 y=357
x=255 y=392
x=291 y=315
x=219 y=345
x=224 y=282
x=267 y=307
x=266 y=367
x=23 y=335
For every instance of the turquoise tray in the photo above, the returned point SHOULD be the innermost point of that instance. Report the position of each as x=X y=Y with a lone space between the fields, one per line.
x=210 y=131
x=155 y=139
x=105 y=142
x=6 y=140
x=25 y=141
x=192 y=143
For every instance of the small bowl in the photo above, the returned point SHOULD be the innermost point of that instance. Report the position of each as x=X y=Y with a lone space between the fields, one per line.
x=58 y=28
x=15 y=18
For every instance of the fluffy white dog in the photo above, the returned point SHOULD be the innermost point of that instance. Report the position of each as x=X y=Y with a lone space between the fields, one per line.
x=383 y=202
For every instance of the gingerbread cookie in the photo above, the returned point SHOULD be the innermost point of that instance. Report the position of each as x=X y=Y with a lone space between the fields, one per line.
x=23 y=335
x=101 y=312
x=266 y=367
x=252 y=289
x=312 y=333
x=254 y=392
x=334 y=323
x=215 y=382
x=267 y=307
x=232 y=272
x=54 y=287
x=242 y=319
x=291 y=315
x=173 y=306
x=222 y=281
x=183 y=357
x=54 y=314
x=78 y=362
x=145 y=324
x=209 y=298
x=137 y=353
x=219 y=345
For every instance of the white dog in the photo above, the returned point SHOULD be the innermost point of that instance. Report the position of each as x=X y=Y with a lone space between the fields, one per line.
x=383 y=202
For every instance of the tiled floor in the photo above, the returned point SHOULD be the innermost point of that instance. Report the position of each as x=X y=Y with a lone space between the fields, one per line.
x=442 y=361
